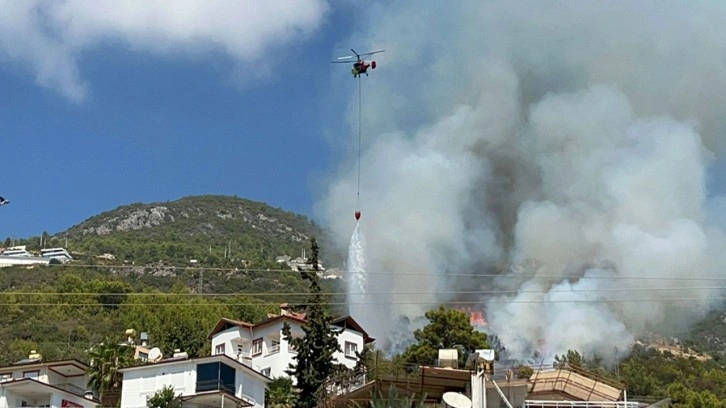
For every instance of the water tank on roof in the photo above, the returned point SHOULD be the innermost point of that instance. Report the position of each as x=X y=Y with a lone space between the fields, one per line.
x=449 y=358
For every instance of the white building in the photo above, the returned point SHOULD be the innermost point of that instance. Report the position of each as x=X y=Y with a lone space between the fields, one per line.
x=216 y=381
x=34 y=383
x=56 y=253
x=22 y=260
x=263 y=347
x=16 y=251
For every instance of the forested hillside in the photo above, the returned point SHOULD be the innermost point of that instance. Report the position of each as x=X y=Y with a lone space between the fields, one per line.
x=218 y=231
x=171 y=269
x=62 y=310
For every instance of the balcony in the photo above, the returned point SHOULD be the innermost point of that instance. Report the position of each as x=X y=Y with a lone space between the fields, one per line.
x=215 y=385
x=72 y=388
x=215 y=377
x=273 y=349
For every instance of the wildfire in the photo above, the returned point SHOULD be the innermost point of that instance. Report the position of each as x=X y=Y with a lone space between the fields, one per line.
x=476 y=317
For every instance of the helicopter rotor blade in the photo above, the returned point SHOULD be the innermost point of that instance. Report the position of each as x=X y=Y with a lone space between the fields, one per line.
x=370 y=53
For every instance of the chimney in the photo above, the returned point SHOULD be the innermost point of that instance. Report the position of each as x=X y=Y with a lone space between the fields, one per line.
x=144 y=337
x=284 y=309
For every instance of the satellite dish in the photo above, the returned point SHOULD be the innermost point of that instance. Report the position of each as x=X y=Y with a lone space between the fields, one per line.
x=456 y=400
x=155 y=355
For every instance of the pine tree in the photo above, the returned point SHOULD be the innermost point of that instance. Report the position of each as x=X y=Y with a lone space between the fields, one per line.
x=314 y=359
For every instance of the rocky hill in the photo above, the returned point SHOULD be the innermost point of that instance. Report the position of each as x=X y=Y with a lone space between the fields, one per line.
x=211 y=229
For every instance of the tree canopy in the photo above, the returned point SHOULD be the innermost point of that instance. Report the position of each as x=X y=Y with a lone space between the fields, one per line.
x=447 y=328
x=165 y=398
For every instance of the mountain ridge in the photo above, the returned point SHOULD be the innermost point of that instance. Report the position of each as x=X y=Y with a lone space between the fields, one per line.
x=196 y=227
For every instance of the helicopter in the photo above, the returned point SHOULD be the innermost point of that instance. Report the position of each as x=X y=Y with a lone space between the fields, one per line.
x=360 y=66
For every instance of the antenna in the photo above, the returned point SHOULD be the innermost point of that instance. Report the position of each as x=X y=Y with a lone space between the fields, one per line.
x=155 y=355
x=456 y=400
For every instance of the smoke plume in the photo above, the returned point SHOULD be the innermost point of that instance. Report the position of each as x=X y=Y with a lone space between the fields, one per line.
x=550 y=159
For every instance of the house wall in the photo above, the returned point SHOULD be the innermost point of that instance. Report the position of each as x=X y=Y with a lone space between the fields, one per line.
x=11 y=400
x=142 y=383
x=229 y=338
x=56 y=400
x=19 y=372
x=278 y=360
x=8 y=399
x=350 y=336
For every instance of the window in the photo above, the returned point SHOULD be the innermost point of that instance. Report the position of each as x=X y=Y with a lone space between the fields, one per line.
x=219 y=349
x=6 y=377
x=215 y=376
x=31 y=374
x=240 y=349
x=351 y=349
x=257 y=347
x=266 y=371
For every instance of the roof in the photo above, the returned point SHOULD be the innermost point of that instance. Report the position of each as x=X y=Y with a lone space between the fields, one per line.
x=574 y=383
x=348 y=321
x=345 y=321
x=224 y=324
x=222 y=358
x=432 y=381
x=40 y=363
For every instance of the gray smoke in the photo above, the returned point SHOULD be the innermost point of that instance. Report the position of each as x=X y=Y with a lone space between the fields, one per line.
x=556 y=149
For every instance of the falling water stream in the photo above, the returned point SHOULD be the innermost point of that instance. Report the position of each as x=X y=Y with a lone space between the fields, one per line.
x=358 y=299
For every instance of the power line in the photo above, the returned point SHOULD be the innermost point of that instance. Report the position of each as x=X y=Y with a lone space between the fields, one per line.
x=442 y=275
x=530 y=301
x=481 y=292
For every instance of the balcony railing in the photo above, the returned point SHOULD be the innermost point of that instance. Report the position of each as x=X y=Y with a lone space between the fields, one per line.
x=215 y=385
x=275 y=348
x=580 y=404
x=72 y=388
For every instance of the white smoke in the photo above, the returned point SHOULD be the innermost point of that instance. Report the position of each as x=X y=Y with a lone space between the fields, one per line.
x=568 y=139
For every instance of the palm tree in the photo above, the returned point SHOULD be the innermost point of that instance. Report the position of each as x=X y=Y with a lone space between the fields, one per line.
x=103 y=375
x=394 y=400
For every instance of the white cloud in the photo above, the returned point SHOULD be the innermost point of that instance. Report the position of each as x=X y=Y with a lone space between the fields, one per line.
x=49 y=36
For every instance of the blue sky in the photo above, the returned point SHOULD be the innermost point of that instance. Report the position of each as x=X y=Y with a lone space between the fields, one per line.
x=154 y=127
x=105 y=103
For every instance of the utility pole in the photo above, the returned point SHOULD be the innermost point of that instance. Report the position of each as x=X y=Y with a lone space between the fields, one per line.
x=201 y=281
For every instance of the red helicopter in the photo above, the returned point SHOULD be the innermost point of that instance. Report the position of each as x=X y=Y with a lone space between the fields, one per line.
x=360 y=66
